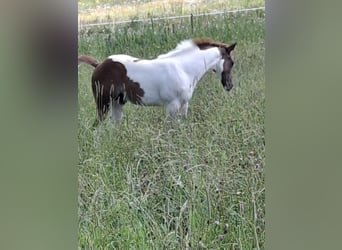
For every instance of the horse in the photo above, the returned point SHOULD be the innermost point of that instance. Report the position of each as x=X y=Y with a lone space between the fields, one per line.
x=168 y=80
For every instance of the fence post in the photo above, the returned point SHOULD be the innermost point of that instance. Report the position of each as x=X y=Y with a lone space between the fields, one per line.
x=192 y=23
x=152 y=24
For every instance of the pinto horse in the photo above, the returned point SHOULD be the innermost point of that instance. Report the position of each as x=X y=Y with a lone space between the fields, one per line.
x=169 y=80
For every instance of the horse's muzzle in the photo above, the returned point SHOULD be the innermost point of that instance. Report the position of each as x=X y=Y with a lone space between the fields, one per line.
x=227 y=82
x=227 y=85
x=228 y=88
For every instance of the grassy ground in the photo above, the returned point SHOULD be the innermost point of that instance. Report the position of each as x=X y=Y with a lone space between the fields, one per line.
x=92 y=11
x=194 y=184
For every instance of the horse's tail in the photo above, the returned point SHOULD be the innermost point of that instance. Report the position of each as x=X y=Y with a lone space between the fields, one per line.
x=89 y=60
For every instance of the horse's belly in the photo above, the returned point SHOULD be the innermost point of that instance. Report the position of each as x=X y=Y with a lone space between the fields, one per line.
x=151 y=100
x=161 y=92
x=154 y=95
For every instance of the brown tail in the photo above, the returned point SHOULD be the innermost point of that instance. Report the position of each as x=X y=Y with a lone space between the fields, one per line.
x=89 y=60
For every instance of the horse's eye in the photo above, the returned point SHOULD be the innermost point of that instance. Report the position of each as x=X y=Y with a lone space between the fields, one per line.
x=214 y=70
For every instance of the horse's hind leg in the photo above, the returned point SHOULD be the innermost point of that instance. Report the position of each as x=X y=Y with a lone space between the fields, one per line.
x=102 y=99
x=101 y=113
x=117 y=105
x=116 y=111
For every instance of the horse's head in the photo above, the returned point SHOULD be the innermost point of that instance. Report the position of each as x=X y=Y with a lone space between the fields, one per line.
x=224 y=67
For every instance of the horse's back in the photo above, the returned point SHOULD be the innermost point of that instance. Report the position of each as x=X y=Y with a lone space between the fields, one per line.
x=123 y=58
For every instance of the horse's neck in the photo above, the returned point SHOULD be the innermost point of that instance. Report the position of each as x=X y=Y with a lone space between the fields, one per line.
x=198 y=64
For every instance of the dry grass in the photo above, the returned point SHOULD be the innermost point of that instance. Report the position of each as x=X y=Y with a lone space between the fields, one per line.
x=90 y=13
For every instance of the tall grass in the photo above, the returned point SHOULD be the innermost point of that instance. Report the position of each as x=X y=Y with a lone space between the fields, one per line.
x=194 y=184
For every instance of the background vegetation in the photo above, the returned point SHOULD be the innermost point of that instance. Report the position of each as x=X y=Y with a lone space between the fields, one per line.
x=91 y=11
x=194 y=184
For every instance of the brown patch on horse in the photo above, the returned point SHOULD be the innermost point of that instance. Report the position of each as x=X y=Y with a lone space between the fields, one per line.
x=110 y=81
x=89 y=60
x=205 y=43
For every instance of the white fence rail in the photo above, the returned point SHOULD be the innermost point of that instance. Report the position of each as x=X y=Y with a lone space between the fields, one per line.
x=171 y=17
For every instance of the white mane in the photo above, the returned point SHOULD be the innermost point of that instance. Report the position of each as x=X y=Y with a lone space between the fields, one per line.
x=182 y=47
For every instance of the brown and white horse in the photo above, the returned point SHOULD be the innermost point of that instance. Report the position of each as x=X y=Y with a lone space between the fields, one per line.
x=170 y=79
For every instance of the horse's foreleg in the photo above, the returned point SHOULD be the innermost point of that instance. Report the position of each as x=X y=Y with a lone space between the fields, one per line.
x=184 y=109
x=172 y=109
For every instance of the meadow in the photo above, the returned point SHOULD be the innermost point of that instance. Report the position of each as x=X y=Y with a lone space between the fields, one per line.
x=196 y=183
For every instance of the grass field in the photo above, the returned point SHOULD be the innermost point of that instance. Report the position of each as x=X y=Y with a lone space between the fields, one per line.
x=193 y=184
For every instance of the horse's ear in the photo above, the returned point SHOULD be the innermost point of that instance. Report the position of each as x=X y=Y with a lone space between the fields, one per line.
x=230 y=48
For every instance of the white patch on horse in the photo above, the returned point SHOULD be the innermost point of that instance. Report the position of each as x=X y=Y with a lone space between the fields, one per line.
x=219 y=68
x=171 y=79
